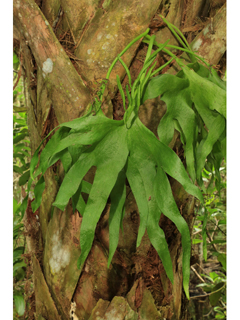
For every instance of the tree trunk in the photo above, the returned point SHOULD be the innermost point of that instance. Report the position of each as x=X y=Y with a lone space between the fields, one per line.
x=67 y=46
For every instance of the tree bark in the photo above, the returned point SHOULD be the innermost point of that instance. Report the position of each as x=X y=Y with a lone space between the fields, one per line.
x=67 y=46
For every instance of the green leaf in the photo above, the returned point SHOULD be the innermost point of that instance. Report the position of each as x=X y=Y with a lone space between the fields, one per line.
x=196 y=241
x=21 y=146
x=77 y=199
x=24 y=178
x=86 y=187
x=23 y=206
x=222 y=258
x=119 y=149
x=47 y=152
x=72 y=179
x=38 y=191
x=50 y=148
x=17 y=253
x=162 y=83
x=19 y=138
x=216 y=294
x=66 y=160
x=118 y=196
x=218 y=241
x=180 y=92
x=140 y=173
x=179 y=107
x=15 y=58
x=112 y=153
x=168 y=206
x=214 y=96
x=91 y=123
x=81 y=205
x=18 y=265
x=167 y=159
x=19 y=304
x=20 y=122
x=137 y=186
x=214 y=276
x=15 y=205
x=158 y=240
x=18 y=169
x=16 y=230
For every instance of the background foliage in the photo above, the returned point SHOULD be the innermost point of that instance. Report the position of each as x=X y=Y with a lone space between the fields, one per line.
x=21 y=163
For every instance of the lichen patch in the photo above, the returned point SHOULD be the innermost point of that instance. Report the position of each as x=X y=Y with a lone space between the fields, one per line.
x=47 y=66
x=60 y=255
x=197 y=44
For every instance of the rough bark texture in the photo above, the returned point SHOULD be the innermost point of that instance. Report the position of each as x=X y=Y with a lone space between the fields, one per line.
x=60 y=86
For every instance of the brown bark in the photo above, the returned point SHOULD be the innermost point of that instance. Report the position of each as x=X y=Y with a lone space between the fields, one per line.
x=60 y=88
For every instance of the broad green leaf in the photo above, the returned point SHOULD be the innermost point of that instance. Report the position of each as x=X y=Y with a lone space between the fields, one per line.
x=162 y=83
x=140 y=173
x=216 y=294
x=19 y=304
x=18 y=169
x=19 y=138
x=167 y=159
x=24 y=178
x=47 y=152
x=157 y=238
x=167 y=205
x=76 y=151
x=38 y=191
x=211 y=74
x=73 y=178
x=81 y=205
x=215 y=124
x=83 y=138
x=112 y=154
x=18 y=265
x=138 y=189
x=86 y=187
x=50 y=148
x=179 y=107
x=77 y=199
x=214 y=97
x=180 y=92
x=214 y=276
x=66 y=160
x=34 y=162
x=23 y=206
x=20 y=146
x=85 y=124
x=118 y=196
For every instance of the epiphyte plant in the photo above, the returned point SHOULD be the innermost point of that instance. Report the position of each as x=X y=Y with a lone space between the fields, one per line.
x=127 y=149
